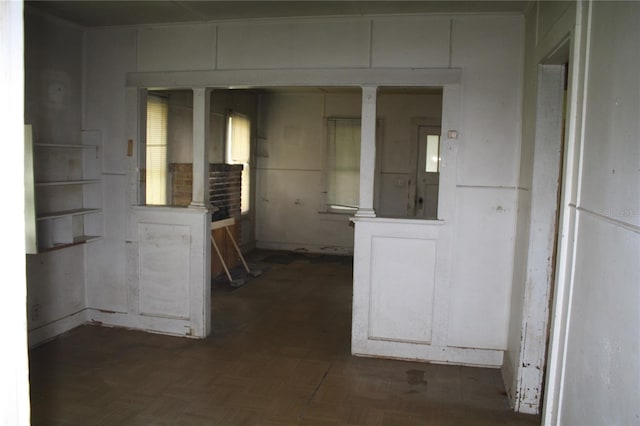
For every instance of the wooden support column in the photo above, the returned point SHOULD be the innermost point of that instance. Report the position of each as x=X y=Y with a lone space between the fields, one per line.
x=201 y=120
x=367 y=151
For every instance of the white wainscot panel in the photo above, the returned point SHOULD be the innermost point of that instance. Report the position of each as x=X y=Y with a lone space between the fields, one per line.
x=168 y=273
x=482 y=268
x=176 y=48
x=294 y=45
x=106 y=275
x=164 y=270
x=418 y=42
x=402 y=289
x=401 y=293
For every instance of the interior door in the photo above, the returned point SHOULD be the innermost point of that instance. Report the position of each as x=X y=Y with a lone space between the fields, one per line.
x=427 y=173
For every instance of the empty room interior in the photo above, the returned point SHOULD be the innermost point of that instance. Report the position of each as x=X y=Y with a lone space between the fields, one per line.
x=353 y=212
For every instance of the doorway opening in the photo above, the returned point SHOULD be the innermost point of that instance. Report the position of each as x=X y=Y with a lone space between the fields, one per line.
x=427 y=177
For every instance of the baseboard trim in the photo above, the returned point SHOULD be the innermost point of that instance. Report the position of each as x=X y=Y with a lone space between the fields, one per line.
x=53 y=329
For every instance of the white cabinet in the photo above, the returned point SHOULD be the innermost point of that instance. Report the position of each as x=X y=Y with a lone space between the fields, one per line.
x=67 y=192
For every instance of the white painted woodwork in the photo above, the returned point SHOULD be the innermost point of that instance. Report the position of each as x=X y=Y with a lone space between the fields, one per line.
x=312 y=77
x=544 y=206
x=485 y=55
x=201 y=125
x=401 y=297
x=177 y=48
x=446 y=264
x=53 y=78
x=592 y=374
x=331 y=43
x=106 y=287
x=168 y=273
x=107 y=108
x=56 y=280
x=537 y=201
x=547 y=18
x=599 y=368
x=492 y=74
x=595 y=372
x=367 y=151
x=402 y=40
x=56 y=296
x=614 y=164
x=68 y=193
x=165 y=269
x=400 y=294
x=107 y=57
x=484 y=67
x=481 y=272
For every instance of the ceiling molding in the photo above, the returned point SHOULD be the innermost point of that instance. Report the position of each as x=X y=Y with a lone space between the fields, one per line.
x=103 y=13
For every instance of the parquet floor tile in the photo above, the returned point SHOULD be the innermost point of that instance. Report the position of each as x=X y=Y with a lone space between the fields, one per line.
x=279 y=355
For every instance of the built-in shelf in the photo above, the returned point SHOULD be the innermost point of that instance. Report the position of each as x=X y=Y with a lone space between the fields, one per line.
x=65 y=213
x=68 y=182
x=64 y=146
x=80 y=239
x=65 y=193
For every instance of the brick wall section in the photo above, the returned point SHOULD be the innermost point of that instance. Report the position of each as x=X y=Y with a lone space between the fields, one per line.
x=181 y=184
x=225 y=186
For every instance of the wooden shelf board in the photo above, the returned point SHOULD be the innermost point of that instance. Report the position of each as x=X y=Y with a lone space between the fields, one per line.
x=65 y=213
x=64 y=146
x=68 y=182
x=81 y=239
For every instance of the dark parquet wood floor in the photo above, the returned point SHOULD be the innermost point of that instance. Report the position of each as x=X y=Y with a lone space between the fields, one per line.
x=279 y=355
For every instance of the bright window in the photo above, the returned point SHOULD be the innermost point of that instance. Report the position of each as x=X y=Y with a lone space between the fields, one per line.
x=433 y=154
x=343 y=164
x=238 y=151
x=156 y=171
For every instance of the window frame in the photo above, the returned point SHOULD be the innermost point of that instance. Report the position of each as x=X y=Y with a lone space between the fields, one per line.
x=152 y=97
x=246 y=170
x=328 y=207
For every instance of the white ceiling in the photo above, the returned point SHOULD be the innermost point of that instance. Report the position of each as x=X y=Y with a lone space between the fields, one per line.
x=98 y=13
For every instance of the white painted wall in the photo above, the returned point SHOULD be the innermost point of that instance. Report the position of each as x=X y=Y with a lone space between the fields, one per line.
x=290 y=181
x=14 y=370
x=597 y=382
x=595 y=372
x=486 y=48
x=56 y=294
x=292 y=155
x=480 y=217
x=107 y=56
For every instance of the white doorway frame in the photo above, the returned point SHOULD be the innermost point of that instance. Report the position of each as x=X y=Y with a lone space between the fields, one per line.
x=202 y=82
x=543 y=229
x=556 y=354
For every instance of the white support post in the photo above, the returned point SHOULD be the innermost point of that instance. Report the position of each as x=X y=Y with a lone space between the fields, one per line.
x=367 y=152
x=201 y=108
